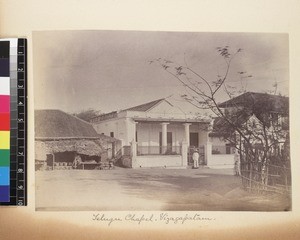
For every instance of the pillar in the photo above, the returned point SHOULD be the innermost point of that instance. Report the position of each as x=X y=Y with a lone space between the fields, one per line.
x=184 y=154
x=130 y=130
x=126 y=141
x=204 y=140
x=134 y=131
x=133 y=154
x=187 y=133
x=164 y=137
x=207 y=153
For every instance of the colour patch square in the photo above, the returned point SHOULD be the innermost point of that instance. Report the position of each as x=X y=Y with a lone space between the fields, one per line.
x=4 y=194
x=4 y=67
x=4 y=121
x=4 y=86
x=4 y=158
x=4 y=139
x=4 y=176
x=4 y=103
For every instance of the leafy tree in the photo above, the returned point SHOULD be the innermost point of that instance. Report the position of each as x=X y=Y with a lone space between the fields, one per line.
x=254 y=128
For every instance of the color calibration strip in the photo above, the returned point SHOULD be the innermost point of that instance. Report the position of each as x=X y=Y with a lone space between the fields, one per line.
x=13 y=121
x=4 y=122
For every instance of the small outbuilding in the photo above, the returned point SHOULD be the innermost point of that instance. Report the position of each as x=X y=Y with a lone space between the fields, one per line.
x=63 y=141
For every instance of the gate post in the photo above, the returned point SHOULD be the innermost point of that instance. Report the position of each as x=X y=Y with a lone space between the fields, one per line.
x=133 y=154
x=184 y=154
x=122 y=146
x=207 y=153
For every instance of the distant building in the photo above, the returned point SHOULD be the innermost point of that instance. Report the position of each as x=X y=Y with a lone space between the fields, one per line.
x=258 y=109
x=270 y=109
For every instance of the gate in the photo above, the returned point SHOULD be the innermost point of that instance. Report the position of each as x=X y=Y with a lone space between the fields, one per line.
x=201 y=152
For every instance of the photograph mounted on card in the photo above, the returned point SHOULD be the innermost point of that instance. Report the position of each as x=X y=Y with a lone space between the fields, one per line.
x=161 y=121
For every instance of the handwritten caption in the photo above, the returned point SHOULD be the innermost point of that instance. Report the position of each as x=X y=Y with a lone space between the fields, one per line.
x=139 y=219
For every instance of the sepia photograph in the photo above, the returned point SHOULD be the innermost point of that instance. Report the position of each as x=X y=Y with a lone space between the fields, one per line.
x=161 y=121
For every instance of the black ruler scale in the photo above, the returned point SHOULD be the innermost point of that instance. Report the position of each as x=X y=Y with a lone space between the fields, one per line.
x=22 y=123
x=18 y=123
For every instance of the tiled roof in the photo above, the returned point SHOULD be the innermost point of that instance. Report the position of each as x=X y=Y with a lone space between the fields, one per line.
x=222 y=127
x=140 y=108
x=255 y=101
x=145 y=107
x=58 y=124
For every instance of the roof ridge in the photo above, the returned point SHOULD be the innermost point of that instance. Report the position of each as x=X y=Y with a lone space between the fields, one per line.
x=151 y=103
x=59 y=110
x=254 y=97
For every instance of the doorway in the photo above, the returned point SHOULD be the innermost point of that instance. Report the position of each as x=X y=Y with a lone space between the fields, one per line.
x=194 y=139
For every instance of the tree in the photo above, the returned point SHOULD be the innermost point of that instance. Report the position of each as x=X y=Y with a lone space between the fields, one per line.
x=253 y=129
x=86 y=115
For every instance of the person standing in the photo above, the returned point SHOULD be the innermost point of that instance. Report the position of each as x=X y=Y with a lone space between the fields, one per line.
x=196 y=159
x=77 y=161
x=237 y=164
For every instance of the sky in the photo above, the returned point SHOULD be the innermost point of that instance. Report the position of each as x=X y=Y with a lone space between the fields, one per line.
x=110 y=70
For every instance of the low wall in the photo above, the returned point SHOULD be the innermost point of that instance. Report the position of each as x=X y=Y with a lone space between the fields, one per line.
x=159 y=161
x=221 y=161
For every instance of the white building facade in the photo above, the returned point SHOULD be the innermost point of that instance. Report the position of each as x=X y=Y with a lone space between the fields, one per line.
x=159 y=133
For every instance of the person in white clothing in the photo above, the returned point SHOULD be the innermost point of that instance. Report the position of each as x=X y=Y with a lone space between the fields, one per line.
x=196 y=159
x=237 y=164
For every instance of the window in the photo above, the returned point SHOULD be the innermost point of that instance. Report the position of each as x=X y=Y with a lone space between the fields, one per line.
x=275 y=119
x=194 y=139
x=112 y=134
x=285 y=123
x=228 y=148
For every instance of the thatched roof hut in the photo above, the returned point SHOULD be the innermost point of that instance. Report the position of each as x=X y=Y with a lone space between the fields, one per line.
x=57 y=131
x=51 y=124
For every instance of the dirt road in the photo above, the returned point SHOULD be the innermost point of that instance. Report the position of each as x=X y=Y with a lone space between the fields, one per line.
x=149 y=189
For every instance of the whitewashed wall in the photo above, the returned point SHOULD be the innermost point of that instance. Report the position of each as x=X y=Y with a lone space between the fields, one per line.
x=161 y=161
x=221 y=161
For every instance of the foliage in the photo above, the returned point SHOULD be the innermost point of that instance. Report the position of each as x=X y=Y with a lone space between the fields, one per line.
x=86 y=115
x=253 y=128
